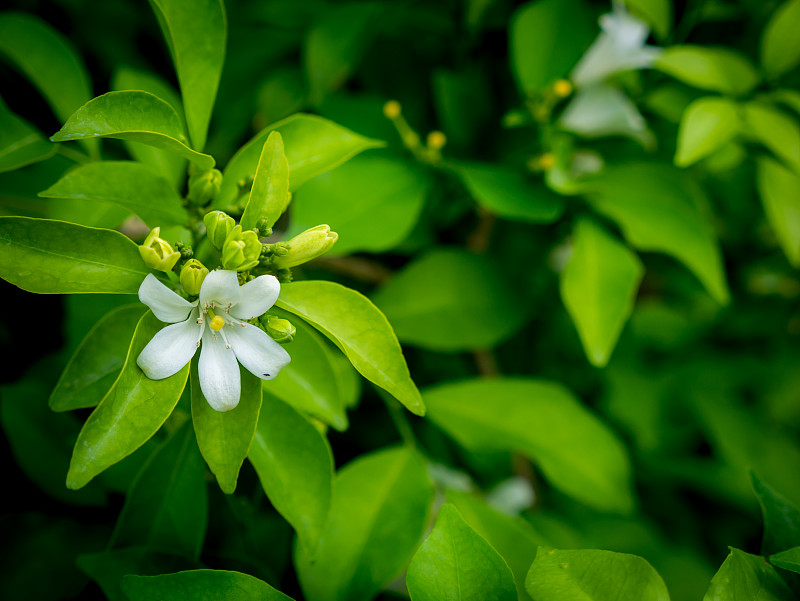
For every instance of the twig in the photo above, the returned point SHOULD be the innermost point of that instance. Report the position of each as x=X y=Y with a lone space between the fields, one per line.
x=359 y=268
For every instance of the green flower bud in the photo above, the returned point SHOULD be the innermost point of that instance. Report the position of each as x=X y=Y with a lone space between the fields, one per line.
x=157 y=253
x=280 y=330
x=204 y=186
x=306 y=246
x=192 y=275
x=241 y=250
x=219 y=225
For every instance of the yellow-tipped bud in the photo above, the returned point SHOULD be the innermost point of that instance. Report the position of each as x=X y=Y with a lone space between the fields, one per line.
x=306 y=246
x=562 y=88
x=436 y=140
x=392 y=109
x=192 y=275
x=157 y=253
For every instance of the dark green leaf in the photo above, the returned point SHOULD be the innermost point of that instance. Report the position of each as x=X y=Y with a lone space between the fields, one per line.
x=781 y=519
x=780 y=44
x=197 y=585
x=788 y=560
x=658 y=13
x=20 y=143
x=745 y=576
x=779 y=189
x=269 y=195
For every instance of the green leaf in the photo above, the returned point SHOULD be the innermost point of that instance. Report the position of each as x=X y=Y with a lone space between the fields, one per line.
x=451 y=300
x=598 y=287
x=776 y=130
x=225 y=437
x=378 y=516
x=195 y=585
x=781 y=518
x=53 y=257
x=457 y=563
x=132 y=411
x=706 y=126
x=658 y=13
x=313 y=146
x=576 y=451
x=548 y=37
x=593 y=575
x=779 y=189
x=659 y=209
x=788 y=560
x=20 y=143
x=295 y=466
x=196 y=34
x=718 y=69
x=97 y=362
x=372 y=202
x=357 y=327
x=745 y=576
x=131 y=185
x=269 y=195
x=167 y=505
x=509 y=193
x=132 y=115
x=780 y=45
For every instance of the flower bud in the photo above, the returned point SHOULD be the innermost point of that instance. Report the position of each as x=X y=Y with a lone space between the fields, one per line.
x=306 y=246
x=192 y=275
x=157 y=253
x=392 y=109
x=280 y=330
x=562 y=88
x=218 y=227
x=204 y=186
x=241 y=250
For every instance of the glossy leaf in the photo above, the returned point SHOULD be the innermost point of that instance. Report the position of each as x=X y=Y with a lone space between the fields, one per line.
x=195 y=585
x=779 y=189
x=269 y=195
x=198 y=64
x=20 y=143
x=745 y=576
x=132 y=115
x=131 y=185
x=776 y=130
x=457 y=563
x=788 y=560
x=451 y=300
x=313 y=146
x=717 y=69
x=781 y=519
x=707 y=125
x=780 y=45
x=598 y=287
x=593 y=575
x=378 y=516
x=54 y=257
x=167 y=505
x=357 y=327
x=97 y=362
x=295 y=466
x=576 y=451
x=130 y=413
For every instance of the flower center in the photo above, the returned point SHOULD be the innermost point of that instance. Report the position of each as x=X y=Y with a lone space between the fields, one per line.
x=217 y=323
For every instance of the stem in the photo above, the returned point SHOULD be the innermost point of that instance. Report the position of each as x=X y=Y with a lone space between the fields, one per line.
x=356 y=267
x=480 y=237
x=400 y=421
x=75 y=155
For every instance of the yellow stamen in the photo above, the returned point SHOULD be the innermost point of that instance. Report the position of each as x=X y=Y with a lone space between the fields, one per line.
x=217 y=323
x=562 y=88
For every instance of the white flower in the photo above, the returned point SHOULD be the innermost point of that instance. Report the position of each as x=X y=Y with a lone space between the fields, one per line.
x=221 y=303
x=602 y=110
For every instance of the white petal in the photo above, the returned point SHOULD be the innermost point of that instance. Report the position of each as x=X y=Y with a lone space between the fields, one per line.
x=220 y=287
x=257 y=352
x=219 y=373
x=163 y=302
x=170 y=349
x=256 y=296
x=602 y=111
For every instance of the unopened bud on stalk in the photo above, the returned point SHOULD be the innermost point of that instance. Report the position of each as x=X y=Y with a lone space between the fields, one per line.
x=242 y=250
x=192 y=275
x=309 y=245
x=204 y=186
x=157 y=253
x=219 y=225
x=280 y=330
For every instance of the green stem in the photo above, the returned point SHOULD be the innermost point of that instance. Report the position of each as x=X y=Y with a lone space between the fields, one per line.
x=400 y=421
x=75 y=155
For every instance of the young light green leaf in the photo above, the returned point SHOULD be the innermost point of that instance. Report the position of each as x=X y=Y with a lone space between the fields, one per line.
x=745 y=576
x=780 y=45
x=295 y=466
x=313 y=145
x=658 y=13
x=269 y=195
x=167 y=505
x=788 y=560
x=776 y=130
x=93 y=369
x=131 y=185
x=451 y=300
x=706 y=126
x=132 y=115
x=200 y=584
x=456 y=563
x=54 y=257
x=718 y=69
x=20 y=143
x=508 y=193
x=781 y=518
x=357 y=327
x=195 y=33
x=593 y=575
x=598 y=287
x=130 y=413
x=779 y=189
x=576 y=451
x=378 y=516
x=225 y=437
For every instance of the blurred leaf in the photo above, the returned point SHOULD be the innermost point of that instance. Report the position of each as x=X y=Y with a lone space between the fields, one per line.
x=781 y=518
x=200 y=584
x=707 y=125
x=718 y=69
x=196 y=34
x=658 y=13
x=780 y=45
x=54 y=257
x=282 y=93
x=451 y=300
x=745 y=576
x=357 y=327
x=455 y=562
x=377 y=519
x=269 y=195
x=295 y=466
x=779 y=189
x=576 y=451
x=788 y=560
x=463 y=105
x=776 y=130
x=130 y=413
x=593 y=575
x=789 y=98
x=20 y=143
x=598 y=287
